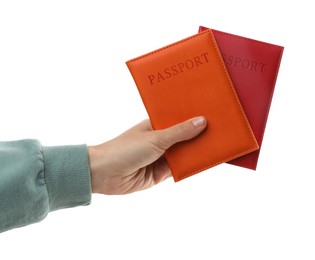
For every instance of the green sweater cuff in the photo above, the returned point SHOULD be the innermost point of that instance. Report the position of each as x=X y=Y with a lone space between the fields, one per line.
x=67 y=176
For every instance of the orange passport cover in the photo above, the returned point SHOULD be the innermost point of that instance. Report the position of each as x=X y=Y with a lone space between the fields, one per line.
x=186 y=79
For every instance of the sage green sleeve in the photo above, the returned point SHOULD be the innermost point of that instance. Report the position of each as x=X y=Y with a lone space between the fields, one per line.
x=35 y=180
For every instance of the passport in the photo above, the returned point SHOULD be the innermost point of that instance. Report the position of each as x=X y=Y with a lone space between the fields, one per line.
x=253 y=67
x=185 y=79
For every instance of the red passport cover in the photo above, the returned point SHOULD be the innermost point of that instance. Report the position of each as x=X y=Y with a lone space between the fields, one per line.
x=253 y=67
x=185 y=79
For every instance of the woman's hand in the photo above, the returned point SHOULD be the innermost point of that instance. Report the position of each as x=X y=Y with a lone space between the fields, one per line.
x=134 y=160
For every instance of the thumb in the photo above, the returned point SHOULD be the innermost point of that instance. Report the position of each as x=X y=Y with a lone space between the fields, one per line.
x=181 y=132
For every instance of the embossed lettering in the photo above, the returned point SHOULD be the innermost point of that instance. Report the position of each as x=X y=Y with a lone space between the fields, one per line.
x=179 y=68
x=197 y=61
x=151 y=78
x=175 y=71
x=189 y=64
x=244 y=63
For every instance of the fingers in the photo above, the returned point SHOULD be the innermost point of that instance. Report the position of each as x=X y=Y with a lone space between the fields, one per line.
x=180 y=132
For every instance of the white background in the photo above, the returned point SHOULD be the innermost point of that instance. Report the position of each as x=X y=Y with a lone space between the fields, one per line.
x=63 y=80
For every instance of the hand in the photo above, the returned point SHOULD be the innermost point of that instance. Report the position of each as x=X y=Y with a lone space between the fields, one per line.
x=134 y=160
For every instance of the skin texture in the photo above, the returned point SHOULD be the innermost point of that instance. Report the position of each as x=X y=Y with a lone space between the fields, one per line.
x=134 y=160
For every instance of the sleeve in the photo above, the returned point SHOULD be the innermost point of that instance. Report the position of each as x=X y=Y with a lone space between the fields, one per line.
x=35 y=180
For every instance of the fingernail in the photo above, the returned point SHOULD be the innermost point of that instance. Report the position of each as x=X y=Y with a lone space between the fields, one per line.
x=199 y=121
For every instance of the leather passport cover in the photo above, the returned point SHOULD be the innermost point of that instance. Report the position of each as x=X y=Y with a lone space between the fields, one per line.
x=253 y=67
x=186 y=79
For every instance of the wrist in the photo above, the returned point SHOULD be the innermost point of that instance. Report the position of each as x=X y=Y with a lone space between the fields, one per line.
x=92 y=158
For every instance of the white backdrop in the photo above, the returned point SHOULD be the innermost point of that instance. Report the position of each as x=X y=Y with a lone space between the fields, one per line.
x=63 y=80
